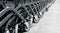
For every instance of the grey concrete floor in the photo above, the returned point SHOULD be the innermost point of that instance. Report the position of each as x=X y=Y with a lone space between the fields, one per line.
x=50 y=23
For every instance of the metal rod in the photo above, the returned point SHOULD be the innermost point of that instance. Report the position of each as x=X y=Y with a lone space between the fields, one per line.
x=5 y=19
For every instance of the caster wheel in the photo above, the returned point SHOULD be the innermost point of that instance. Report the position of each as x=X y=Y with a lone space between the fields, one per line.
x=41 y=14
x=46 y=9
x=35 y=19
x=26 y=27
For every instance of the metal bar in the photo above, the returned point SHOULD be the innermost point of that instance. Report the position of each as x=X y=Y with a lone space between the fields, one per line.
x=27 y=11
x=31 y=9
x=5 y=10
x=5 y=19
x=24 y=8
x=8 y=23
x=20 y=16
x=26 y=4
x=16 y=28
x=38 y=6
x=35 y=8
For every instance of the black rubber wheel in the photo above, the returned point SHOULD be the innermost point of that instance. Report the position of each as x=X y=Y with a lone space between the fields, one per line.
x=35 y=19
x=46 y=9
